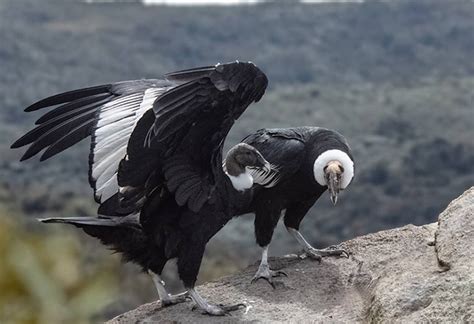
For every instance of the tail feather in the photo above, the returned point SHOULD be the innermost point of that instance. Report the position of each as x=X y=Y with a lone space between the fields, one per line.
x=127 y=221
x=123 y=235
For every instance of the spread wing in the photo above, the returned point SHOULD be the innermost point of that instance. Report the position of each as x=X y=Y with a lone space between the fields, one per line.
x=283 y=148
x=108 y=113
x=192 y=121
x=180 y=123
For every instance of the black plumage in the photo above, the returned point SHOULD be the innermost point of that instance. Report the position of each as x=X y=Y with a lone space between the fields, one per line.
x=156 y=157
x=156 y=166
x=293 y=153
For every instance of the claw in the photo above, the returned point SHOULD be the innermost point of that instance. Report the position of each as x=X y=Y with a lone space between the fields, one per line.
x=232 y=308
x=212 y=309
x=219 y=310
x=267 y=274
x=330 y=251
x=175 y=299
x=313 y=254
x=268 y=279
x=279 y=272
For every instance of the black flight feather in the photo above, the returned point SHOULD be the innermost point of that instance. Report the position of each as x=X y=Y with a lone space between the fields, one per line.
x=72 y=137
x=56 y=132
x=190 y=74
x=68 y=97
x=79 y=104
x=47 y=126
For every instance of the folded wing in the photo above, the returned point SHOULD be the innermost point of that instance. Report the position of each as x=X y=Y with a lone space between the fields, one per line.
x=283 y=148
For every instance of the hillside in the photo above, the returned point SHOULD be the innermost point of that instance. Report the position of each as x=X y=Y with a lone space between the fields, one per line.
x=396 y=78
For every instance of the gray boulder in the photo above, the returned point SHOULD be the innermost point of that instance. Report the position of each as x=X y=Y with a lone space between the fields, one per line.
x=412 y=274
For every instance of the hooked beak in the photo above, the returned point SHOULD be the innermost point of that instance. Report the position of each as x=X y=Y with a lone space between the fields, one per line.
x=333 y=186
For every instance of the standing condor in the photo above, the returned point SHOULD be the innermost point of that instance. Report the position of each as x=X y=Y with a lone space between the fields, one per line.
x=156 y=162
x=306 y=161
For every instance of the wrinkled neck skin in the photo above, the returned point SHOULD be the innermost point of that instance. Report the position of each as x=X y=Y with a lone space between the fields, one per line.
x=238 y=174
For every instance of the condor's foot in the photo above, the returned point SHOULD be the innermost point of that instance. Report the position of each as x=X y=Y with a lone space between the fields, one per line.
x=210 y=309
x=165 y=298
x=317 y=254
x=264 y=272
x=175 y=299
x=218 y=310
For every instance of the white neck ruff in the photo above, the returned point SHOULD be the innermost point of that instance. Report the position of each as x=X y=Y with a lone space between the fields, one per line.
x=334 y=155
x=241 y=182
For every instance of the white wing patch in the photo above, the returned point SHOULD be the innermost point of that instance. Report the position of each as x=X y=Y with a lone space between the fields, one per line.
x=265 y=178
x=116 y=121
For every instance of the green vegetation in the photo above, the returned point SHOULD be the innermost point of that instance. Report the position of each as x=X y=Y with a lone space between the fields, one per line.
x=46 y=277
x=396 y=78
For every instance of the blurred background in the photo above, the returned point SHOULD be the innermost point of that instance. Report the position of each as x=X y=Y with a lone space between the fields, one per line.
x=395 y=77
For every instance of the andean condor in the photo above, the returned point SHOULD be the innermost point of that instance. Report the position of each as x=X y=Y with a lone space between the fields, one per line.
x=156 y=162
x=306 y=161
x=155 y=166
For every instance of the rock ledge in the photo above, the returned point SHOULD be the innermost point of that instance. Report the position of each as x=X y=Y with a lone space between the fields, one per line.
x=406 y=275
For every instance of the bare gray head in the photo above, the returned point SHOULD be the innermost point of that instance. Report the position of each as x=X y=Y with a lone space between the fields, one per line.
x=238 y=159
x=332 y=173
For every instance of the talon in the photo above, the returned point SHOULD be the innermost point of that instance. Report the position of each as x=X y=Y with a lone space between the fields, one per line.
x=279 y=272
x=232 y=308
x=267 y=274
x=330 y=251
x=175 y=299
x=271 y=283
x=313 y=254
x=268 y=279
x=211 y=309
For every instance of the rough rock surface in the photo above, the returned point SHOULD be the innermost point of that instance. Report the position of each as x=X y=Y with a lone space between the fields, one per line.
x=411 y=274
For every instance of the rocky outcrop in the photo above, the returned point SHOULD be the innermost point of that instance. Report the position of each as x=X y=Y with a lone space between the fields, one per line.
x=412 y=274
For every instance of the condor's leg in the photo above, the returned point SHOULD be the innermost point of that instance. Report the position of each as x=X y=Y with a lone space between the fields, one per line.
x=166 y=299
x=189 y=261
x=155 y=261
x=265 y=223
x=293 y=216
